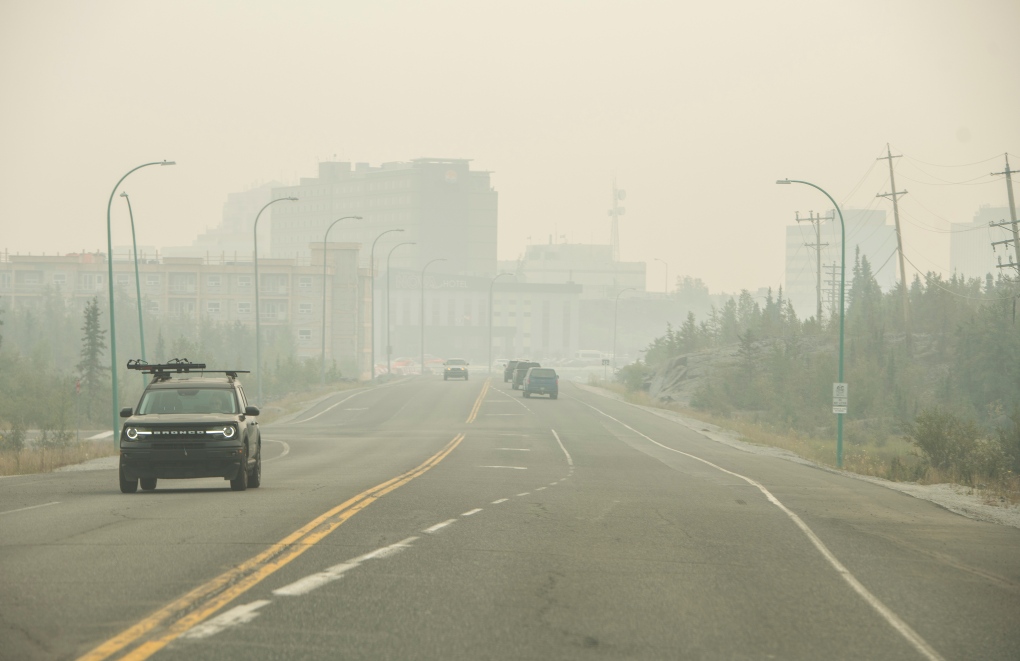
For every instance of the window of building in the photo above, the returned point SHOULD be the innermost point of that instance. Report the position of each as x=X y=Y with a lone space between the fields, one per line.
x=5 y=280
x=214 y=281
x=305 y=335
x=212 y=307
x=60 y=278
x=451 y=313
x=122 y=280
x=151 y=280
x=305 y=282
x=243 y=307
x=304 y=308
x=244 y=281
x=152 y=306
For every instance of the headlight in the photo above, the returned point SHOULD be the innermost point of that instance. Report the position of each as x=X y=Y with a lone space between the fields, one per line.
x=228 y=432
x=131 y=433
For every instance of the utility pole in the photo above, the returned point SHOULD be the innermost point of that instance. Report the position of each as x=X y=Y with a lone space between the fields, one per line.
x=899 y=239
x=817 y=245
x=832 y=288
x=615 y=212
x=1012 y=218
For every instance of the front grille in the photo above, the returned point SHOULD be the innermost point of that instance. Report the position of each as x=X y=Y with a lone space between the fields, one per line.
x=178 y=446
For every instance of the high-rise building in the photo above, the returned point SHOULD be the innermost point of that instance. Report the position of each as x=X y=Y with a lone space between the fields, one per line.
x=590 y=265
x=971 y=253
x=866 y=230
x=444 y=207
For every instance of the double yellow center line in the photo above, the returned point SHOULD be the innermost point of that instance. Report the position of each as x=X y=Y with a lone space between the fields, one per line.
x=198 y=605
x=168 y=623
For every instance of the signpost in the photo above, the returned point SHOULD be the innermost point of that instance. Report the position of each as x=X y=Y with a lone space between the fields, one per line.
x=839 y=398
x=605 y=369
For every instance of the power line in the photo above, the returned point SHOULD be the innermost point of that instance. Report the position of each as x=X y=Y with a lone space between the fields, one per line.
x=962 y=165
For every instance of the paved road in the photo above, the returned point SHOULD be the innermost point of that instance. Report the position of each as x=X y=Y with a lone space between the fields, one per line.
x=456 y=520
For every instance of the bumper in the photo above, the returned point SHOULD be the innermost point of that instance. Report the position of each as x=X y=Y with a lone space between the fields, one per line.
x=542 y=390
x=178 y=463
x=457 y=374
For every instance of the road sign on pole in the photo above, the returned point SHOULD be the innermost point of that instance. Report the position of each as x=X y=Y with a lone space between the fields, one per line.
x=839 y=398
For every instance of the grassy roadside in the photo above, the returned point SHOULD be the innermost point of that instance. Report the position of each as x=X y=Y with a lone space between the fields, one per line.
x=48 y=458
x=44 y=459
x=896 y=459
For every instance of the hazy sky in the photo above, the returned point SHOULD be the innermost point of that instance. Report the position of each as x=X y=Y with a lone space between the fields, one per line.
x=696 y=108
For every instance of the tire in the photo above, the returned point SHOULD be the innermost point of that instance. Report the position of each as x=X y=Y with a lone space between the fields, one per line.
x=554 y=395
x=255 y=477
x=148 y=483
x=127 y=486
x=465 y=378
x=240 y=483
x=527 y=395
x=444 y=377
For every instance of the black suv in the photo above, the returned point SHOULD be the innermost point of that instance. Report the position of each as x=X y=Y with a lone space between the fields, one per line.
x=520 y=370
x=455 y=368
x=190 y=422
x=508 y=371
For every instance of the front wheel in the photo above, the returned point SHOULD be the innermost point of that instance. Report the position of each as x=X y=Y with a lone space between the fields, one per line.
x=148 y=483
x=527 y=395
x=255 y=477
x=554 y=395
x=240 y=483
x=126 y=485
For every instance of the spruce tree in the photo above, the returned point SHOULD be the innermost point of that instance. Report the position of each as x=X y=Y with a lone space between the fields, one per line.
x=93 y=345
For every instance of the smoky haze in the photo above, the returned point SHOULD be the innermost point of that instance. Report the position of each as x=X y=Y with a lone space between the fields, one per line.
x=695 y=110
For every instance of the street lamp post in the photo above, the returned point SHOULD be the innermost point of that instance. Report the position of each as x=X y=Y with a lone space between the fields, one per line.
x=421 y=317
x=113 y=325
x=616 y=310
x=491 y=284
x=371 y=268
x=326 y=234
x=667 y=274
x=842 y=286
x=258 y=315
x=389 y=347
x=138 y=285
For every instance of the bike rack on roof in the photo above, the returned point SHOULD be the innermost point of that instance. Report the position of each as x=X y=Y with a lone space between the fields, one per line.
x=163 y=371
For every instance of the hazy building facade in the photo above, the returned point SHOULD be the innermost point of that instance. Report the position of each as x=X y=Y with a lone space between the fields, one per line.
x=590 y=265
x=444 y=207
x=971 y=253
x=866 y=230
x=196 y=289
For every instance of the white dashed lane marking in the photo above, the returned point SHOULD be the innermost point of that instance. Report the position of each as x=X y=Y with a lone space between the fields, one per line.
x=439 y=526
x=497 y=502
x=233 y=617
x=474 y=511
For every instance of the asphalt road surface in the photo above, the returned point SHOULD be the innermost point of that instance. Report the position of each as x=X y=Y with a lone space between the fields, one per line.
x=456 y=520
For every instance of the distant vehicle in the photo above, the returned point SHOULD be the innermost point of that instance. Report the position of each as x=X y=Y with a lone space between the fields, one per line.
x=190 y=422
x=541 y=381
x=500 y=363
x=455 y=368
x=520 y=370
x=508 y=371
x=589 y=356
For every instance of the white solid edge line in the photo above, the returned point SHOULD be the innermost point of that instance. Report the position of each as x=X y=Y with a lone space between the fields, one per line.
x=326 y=410
x=894 y=620
x=570 y=462
x=32 y=507
x=313 y=581
x=474 y=511
x=497 y=502
x=439 y=526
x=286 y=449
x=233 y=617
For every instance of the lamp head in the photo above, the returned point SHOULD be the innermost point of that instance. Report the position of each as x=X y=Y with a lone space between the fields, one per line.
x=124 y=194
x=292 y=199
x=169 y=163
x=783 y=181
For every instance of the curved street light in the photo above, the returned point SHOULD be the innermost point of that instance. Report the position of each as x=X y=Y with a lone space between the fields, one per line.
x=616 y=309
x=113 y=325
x=258 y=315
x=326 y=234
x=371 y=268
x=842 y=286
x=138 y=285
x=389 y=347
x=490 y=315
x=421 y=317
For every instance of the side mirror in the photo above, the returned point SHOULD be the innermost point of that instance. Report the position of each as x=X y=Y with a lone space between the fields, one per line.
x=251 y=410
x=125 y=413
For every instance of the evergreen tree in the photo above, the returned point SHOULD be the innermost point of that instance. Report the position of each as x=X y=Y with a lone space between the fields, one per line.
x=93 y=346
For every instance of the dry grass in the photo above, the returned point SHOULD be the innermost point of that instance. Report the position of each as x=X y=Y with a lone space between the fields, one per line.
x=46 y=459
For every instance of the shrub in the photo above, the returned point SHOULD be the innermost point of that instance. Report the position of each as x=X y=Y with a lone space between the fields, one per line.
x=946 y=440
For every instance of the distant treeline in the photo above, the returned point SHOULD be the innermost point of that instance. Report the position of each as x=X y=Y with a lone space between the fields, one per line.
x=959 y=368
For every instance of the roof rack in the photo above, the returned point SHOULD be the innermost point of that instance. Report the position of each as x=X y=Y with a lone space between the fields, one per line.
x=163 y=371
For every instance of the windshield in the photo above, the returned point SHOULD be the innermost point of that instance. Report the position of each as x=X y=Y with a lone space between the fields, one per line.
x=542 y=371
x=188 y=400
x=456 y=361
